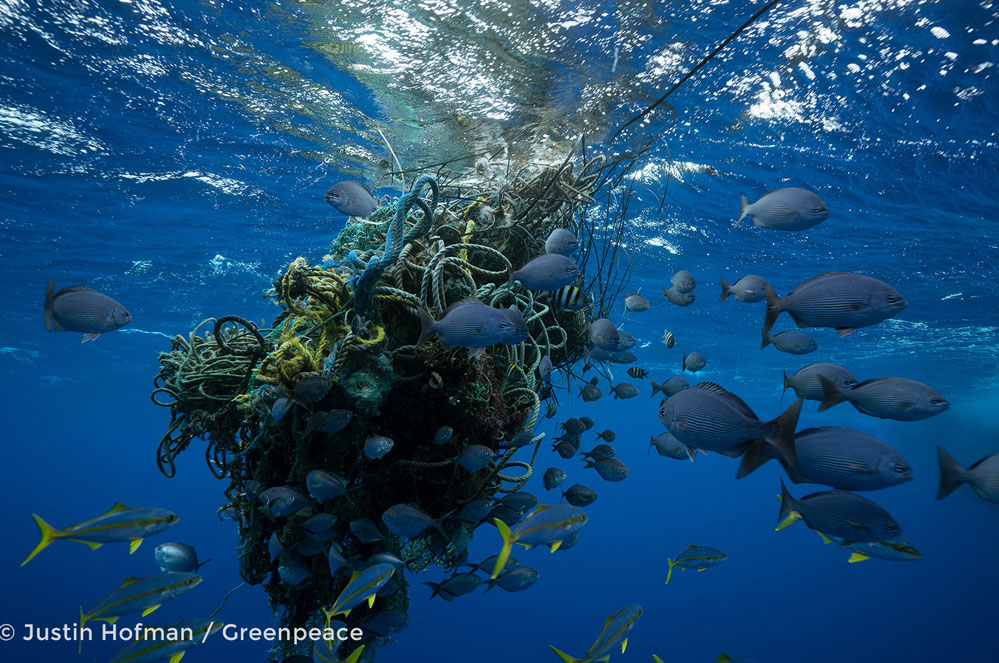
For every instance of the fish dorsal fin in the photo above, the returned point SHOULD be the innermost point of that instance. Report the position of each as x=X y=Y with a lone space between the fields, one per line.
x=858 y=557
x=118 y=506
x=176 y=657
x=130 y=580
x=980 y=461
x=461 y=302
x=814 y=278
x=74 y=288
x=729 y=396
x=710 y=386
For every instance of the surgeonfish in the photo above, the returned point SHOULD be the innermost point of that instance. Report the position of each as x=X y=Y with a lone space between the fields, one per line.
x=615 y=631
x=82 y=309
x=121 y=523
x=789 y=208
x=695 y=557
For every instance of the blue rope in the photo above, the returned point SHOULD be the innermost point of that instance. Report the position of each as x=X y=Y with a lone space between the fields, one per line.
x=364 y=284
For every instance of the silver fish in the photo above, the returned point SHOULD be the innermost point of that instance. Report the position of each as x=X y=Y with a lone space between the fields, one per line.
x=553 y=478
x=609 y=469
x=324 y=486
x=468 y=324
x=749 y=289
x=545 y=369
x=789 y=208
x=693 y=362
x=178 y=557
x=547 y=272
x=311 y=388
x=670 y=447
x=590 y=391
x=365 y=530
x=562 y=242
x=515 y=580
x=983 y=476
x=841 y=300
x=282 y=501
x=580 y=495
x=604 y=335
x=408 y=521
x=636 y=303
x=683 y=282
x=624 y=390
x=475 y=457
x=293 y=570
x=806 y=381
x=901 y=399
x=320 y=525
x=82 y=309
x=351 y=198
x=791 y=342
x=673 y=386
x=476 y=510
x=455 y=586
x=839 y=513
x=678 y=298
x=377 y=446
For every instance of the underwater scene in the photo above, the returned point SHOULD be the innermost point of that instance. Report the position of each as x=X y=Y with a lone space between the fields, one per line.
x=495 y=330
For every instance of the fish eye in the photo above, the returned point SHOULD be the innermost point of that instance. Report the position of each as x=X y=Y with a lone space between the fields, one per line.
x=938 y=401
x=890 y=526
x=900 y=468
x=817 y=210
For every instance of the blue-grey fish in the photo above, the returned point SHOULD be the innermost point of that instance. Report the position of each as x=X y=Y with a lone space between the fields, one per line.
x=901 y=399
x=333 y=421
x=521 y=501
x=836 y=457
x=624 y=390
x=351 y=198
x=677 y=298
x=561 y=242
x=607 y=435
x=121 y=523
x=283 y=501
x=521 y=439
x=468 y=324
x=615 y=631
x=604 y=335
x=178 y=557
x=168 y=643
x=789 y=208
x=514 y=580
x=693 y=362
x=82 y=309
x=311 y=388
x=443 y=435
x=580 y=495
x=547 y=272
x=475 y=457
x=749 y=289
x=274 y=547
x=841 y=300
x=638 y=372
x=362 y=587
x=385 y=558
x=671 y=387
x=695 y=557
x=791 y=342
x=325 y=486
x=143 y=595
x=839 y=513
x=627 y=341
x=280 y=408
x=551 y=410
x=377 y=446
x=385 y=623
x=636 y=303
x=311 y=546
x=553 y=478
x=546 y=525
x=320 y=525
x=983 y=476
x=609 y=469
x=409 y=521
x=476 y=510
x=806 y=381
x=668 y=339
x=455 y=586
x=667 y=445
x=293 y=569
x=590 y=392
x=600 y=451
x=574 y=426
x=682 y=281
x=622 y=357
x=489 y=563
x=520 y=331
x=545 y=369
x=506 y=514
x=895 y=550
x=366 y=530
x=571 y=298
x=614 y=356
x=708 y=417
x=566 y=449
x=335 y=558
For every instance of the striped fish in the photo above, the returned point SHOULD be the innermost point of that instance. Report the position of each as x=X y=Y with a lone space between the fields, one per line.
x=841 y=300
x=168 y=642
x=121 y=523
x=668 y=339
x=896 y=398
x=638 y=373
x=570 y=298
x=838 y=513
x=695 y=557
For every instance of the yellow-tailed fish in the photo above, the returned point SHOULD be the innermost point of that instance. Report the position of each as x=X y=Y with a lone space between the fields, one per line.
x=362 y=587
x=168 y=642
x=546 y=525
x=696 y=557
x=121 y=523
x=616 y=629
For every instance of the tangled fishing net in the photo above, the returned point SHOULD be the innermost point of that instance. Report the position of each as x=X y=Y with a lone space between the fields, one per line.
x=350 y=322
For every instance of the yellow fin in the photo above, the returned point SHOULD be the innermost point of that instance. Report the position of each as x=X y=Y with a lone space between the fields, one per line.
x=792 y=518
x=504 y=553
x=133 y=545
x=129 y=580
x=150 y=610
x=89 y=544
x=176 y=657
x=118 y=506
x=825 y=539
x=656 y=659
x=109 y=620
x=371 y=600
x=624 y=645
x=354 y=655
x=565 y=657
x=858 y=557
x=556 y=545
x=669 y=574
x=48 y=533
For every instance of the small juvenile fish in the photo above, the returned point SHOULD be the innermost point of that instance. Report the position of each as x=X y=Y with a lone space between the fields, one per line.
x=671 y=387
x=475 y=457
x=983 y=476
x=604 y=335
x=791 y=342
x=282 y=501
x=545 y=369
x=476 y=510
x=547 y=272
x=638 y=373
x=311 y=388
x=521 y=439
x=693 y=362
x=324 y=486
x=409 y=521
x=553 y=478
x=635 y=303
x=321 y=525
x=600 y=451
x=365 y=530
x=82 y=309
x=561 y=242
x=546 y=525
x=351 y=198
x=566 y=449
x=514 y=580
x=587 y=423
x=551 y=410
x=455 y=586
x=624 y=390
x=574 y=426
x=443 y=435
x=749 y=289
x=682 y=281
x=580 y=495
x=590 y=392
x=839 y=513
x=678 y=298
x=293 y=570
x=696 y=557
x=333 y=421
x=668 y=340
x=900 y=399
x=468 y=324
x=520 y=501
x=806 y=381
x=607 y=436
x=789 y=208
x=609 y=469
x=377 y=446
x=178 y=557
x=667 y=445
x=571 y=298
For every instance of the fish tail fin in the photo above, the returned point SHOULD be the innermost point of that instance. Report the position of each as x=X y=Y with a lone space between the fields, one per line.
x=79 y=631
x=767 y=339
x=773 y=309
x=743 y=211
x=48 y=535
x=858 y=557
x=782 y=436
x=197 y=567
x=669 y=574
x=831 y=393
x=435 y=588
x=952 y=475
x=726 y=290
x=683 y=363
x=691 y=452
x=655 y=388
x=786 y=503
x=664 y=291
x=757 y=453
x=565 y=657
x=49 y=301
x=426 y=326
x=504 y=554
x=354 y=655
x=787 y=383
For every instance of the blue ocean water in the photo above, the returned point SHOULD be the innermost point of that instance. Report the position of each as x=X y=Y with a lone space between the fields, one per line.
x=175 y=154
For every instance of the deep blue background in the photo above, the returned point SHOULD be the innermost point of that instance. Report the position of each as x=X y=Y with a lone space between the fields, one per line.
x=144 y=166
